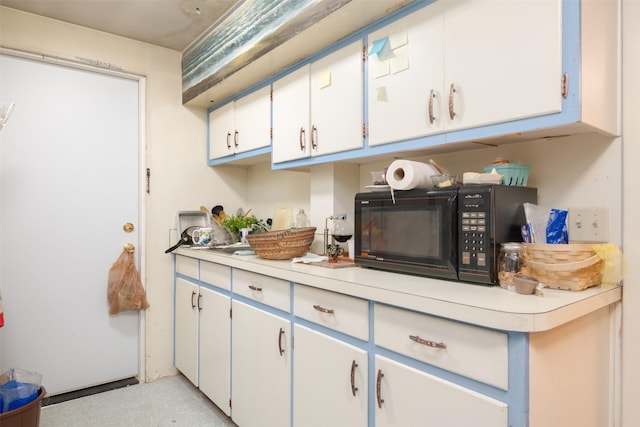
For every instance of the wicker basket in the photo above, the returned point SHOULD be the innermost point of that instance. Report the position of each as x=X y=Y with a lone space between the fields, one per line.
x=572 y=267
x=282 y=244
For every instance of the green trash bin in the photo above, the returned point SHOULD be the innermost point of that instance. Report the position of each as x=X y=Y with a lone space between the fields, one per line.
x=24 y=416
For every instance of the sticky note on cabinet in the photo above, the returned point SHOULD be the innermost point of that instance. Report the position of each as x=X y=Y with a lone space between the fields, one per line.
x=380 y=48
x=400 y=60
x=398 y=39
x=379 y=68
x=325 y=78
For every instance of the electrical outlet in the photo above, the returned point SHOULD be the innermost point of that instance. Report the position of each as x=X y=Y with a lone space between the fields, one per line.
x=588 y=225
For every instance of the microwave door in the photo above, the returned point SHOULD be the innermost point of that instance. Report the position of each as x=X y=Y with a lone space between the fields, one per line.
x=414 y=234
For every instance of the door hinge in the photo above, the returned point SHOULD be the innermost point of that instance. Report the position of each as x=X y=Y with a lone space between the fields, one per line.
x=231 y=313
x=271 y=133
x=148 y=181
x=565 y=86
x=230 y=404
x=365 y=130
x=364 y=53
x=271 y=95
x=293 y=343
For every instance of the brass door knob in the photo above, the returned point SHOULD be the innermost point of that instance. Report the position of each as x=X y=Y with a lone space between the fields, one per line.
x=128 y=227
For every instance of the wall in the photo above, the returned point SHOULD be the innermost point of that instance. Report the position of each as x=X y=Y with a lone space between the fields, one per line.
x=174 y=150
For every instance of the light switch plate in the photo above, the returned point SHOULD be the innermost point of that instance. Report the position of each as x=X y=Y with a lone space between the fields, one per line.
x=588 y=225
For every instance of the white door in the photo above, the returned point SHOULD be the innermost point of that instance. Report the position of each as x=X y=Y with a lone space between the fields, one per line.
x=69 y=182
x=260 y=368
x=336 y=101
x=187 y=324
x=329 y=381
x=214 y=377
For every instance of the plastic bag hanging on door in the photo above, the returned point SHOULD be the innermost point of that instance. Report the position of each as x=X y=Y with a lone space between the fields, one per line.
x=125 y=291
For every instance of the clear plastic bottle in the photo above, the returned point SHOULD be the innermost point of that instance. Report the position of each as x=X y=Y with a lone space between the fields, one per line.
x=509 y=263
x=301 y=219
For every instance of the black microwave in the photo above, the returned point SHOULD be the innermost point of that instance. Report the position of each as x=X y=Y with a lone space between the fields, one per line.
x=451 y=233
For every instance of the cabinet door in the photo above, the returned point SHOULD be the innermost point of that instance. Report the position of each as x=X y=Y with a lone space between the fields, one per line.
x=215 y=347
x=407 y=78
x=407 y=397
x=253 y=120
x=222 y=131
x=329 y=381
x=500 y=63
x=291 y=133
x=261 y=367
x=337 y=101
x=186 y=329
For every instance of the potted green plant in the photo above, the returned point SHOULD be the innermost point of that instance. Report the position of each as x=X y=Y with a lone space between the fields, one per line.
x=237 y=222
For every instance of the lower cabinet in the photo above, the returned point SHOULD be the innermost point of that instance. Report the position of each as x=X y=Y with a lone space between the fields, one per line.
x=329 y=381
x=407 y=397
x=202 y=340
x=261 y=367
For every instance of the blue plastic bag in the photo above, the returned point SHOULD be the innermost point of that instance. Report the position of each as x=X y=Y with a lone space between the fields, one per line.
x=19 y=388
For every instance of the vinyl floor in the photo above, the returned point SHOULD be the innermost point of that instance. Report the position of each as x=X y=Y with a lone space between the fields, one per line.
x=170 y=401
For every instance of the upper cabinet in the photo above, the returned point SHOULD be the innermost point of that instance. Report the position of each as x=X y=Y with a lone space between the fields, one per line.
x=450 y=73
x=318 y=109
x=241 y=126
x=464 y=63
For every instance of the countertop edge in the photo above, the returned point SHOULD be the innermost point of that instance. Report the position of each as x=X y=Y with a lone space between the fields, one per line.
x=487 y=306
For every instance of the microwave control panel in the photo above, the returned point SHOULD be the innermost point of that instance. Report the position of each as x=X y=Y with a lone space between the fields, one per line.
x=488 y=215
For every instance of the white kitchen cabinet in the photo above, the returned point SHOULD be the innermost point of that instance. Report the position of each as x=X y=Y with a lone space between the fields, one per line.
x=215 y=348
x=242 y=125
x=318 y=108
x=261 y=367
x=186 y=333
x=203 y=334
x=463 y=64
x=329 y=381
x=407 y=397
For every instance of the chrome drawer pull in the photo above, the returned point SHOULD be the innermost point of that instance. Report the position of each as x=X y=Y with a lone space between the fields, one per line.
x=378 y=383
x=323 y=310
x=431 y=116
x=280 y=341
x=228 y=144
x=193 y=304
x=354 y=365
x=452 y=90
x=314 y=137
x=199 y=302
x=255 y=288
x=235 y=138
x=427 y=342
x=302 y=139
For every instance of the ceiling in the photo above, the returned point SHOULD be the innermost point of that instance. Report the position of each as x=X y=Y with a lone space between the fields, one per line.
x=173 y=24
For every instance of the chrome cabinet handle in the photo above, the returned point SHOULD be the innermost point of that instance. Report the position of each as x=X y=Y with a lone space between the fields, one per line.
x=302 y=138
x=354 y=365
x=228 y=144
x=431 y=116
x=193 y=303
x=314 y=137
x=378 y=384
x=428 y=343
x=255 y=288
x=280 y=335
x=236 y=136
x=321 y=309
x=452 y=90
x=199 y=302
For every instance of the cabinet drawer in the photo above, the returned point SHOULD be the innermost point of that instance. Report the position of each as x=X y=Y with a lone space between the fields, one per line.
x=336 y=311
x=265 y=289
x=187 y=266
x=216 y=275
x=468 y=350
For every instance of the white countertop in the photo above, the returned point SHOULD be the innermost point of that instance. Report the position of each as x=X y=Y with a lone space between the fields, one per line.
x=489 y=306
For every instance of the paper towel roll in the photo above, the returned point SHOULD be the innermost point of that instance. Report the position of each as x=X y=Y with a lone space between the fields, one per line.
x=407 y=175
